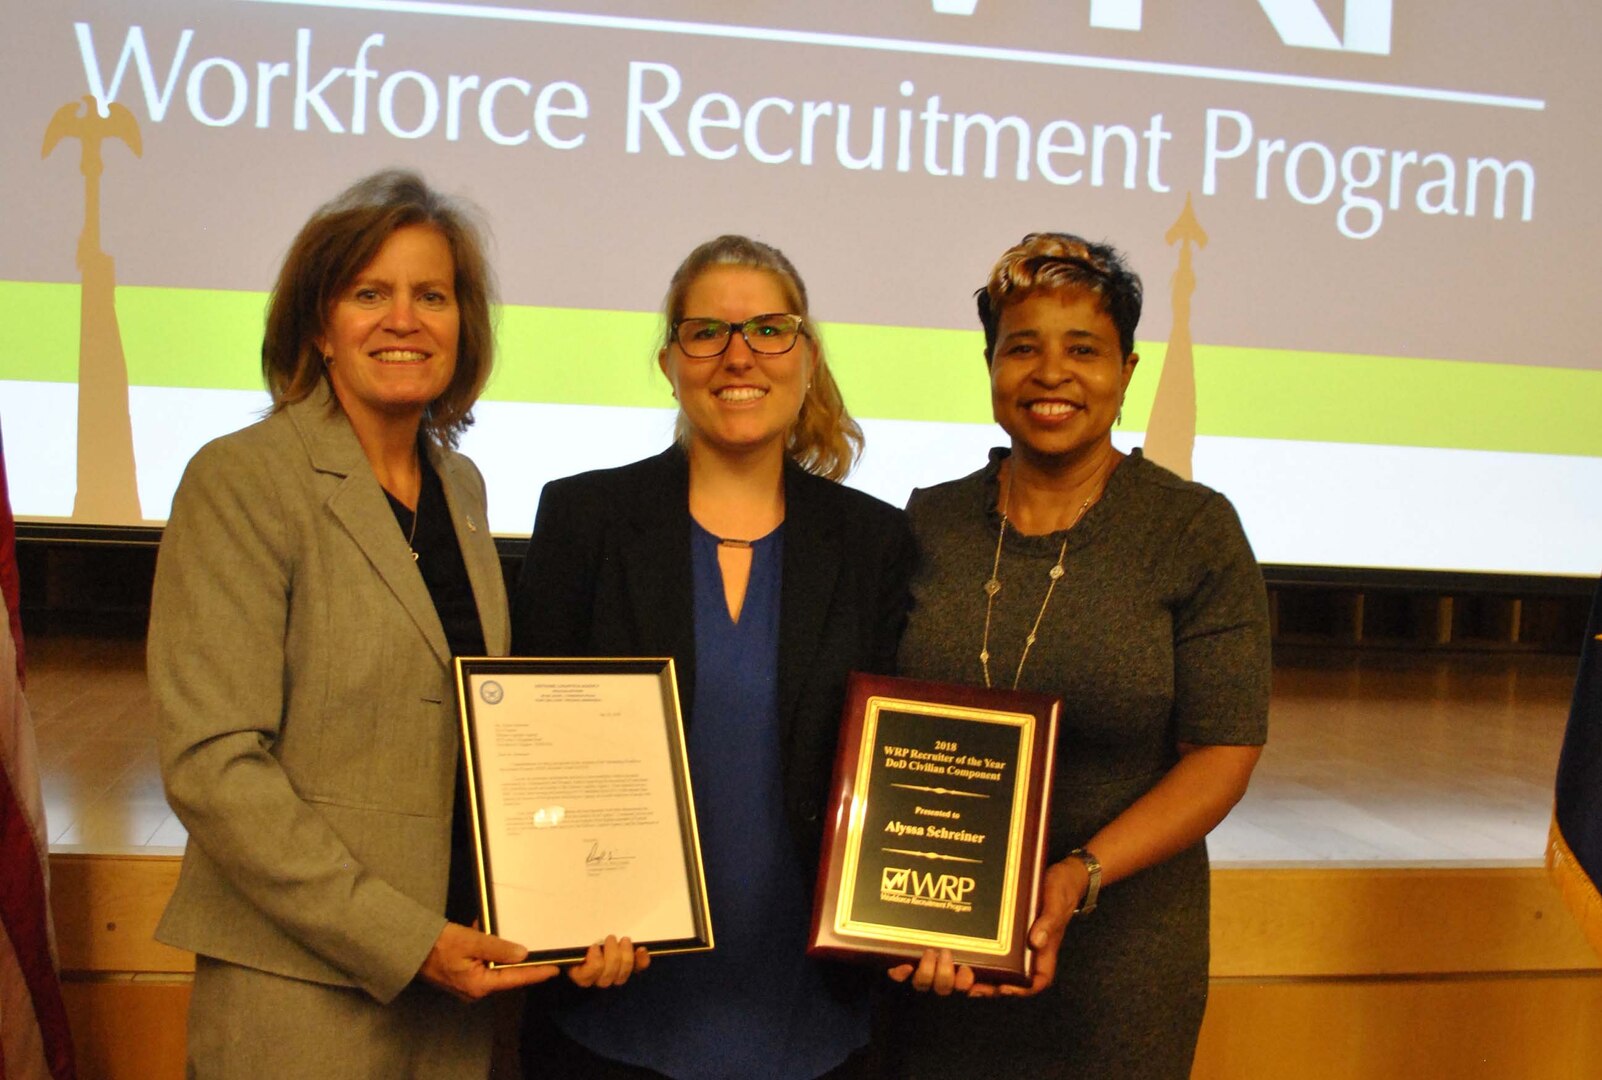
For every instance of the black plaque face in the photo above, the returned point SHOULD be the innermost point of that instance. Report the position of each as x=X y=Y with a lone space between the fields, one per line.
x=941 y=795
x=937 y=827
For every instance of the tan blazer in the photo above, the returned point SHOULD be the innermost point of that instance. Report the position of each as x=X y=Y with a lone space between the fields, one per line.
x=305 y=704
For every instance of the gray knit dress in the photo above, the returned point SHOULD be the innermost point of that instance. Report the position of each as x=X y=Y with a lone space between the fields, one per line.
x=1156 y=635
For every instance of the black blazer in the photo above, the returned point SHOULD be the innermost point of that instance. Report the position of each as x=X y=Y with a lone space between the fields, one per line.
x=608 y=574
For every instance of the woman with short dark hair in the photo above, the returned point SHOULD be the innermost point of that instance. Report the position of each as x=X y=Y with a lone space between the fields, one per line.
x=1067 y=567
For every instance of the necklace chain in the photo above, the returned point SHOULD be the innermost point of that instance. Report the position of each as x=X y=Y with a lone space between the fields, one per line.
x=993 y=586
x=417 y=515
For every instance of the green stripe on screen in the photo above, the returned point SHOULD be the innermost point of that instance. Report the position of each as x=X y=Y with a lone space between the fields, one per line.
x=1380 y=400
x=211 y=339
x=192 y=337
x=42 y=342
x=205 y=338
x=578 y=357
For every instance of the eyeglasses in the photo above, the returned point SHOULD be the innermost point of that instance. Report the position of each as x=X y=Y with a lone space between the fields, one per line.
x=771 y=335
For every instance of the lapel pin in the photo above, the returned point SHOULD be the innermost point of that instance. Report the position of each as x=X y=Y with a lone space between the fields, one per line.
x=470 y=526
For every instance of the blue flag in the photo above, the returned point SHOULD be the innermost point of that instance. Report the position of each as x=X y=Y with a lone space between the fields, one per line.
x=1574 y=852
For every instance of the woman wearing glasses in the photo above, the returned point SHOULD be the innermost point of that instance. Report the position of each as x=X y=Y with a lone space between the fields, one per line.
x=737 y=553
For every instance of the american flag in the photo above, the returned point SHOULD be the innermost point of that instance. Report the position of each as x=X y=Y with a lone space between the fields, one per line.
x=34 y=1041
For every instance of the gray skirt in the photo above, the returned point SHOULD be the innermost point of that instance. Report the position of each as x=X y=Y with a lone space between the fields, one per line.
x=246 y=1024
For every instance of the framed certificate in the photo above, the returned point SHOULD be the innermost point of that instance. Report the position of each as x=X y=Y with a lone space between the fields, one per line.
x=579 y=793
x=937 y=828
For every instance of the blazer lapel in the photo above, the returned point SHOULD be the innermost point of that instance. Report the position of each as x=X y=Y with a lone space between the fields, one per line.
x=655 y=561
x=811 y=567
x=359 y=505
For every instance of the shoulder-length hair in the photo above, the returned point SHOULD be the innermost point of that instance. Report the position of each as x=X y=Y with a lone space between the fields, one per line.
x=340 y=239
x=824 y=439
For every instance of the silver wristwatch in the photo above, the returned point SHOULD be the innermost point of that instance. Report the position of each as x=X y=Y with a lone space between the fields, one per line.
x=1093 y=865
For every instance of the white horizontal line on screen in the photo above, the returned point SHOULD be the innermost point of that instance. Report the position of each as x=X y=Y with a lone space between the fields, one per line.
x=779 y=35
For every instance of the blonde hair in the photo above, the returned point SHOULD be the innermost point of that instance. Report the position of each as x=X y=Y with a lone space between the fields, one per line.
x=1050 y=261
x=341 y=238
x=824 y=439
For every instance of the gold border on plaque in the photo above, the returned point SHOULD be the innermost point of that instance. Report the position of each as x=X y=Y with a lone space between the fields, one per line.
x=677 y=751
x=681 y=760
x=846 y=926
x=470 y=775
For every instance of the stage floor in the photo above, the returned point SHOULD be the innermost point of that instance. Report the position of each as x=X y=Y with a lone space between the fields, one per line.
x=1373 y=757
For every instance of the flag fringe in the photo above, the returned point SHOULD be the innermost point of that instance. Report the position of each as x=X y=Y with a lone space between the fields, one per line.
x=1579 y=891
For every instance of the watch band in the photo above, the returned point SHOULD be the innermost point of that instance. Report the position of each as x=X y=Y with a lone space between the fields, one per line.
x=1093 y=890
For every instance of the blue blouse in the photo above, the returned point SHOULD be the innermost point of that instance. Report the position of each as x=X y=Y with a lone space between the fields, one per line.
x=755 y=1005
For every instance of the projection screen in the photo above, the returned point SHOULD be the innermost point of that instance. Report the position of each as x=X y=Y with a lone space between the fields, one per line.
x=1362 y=227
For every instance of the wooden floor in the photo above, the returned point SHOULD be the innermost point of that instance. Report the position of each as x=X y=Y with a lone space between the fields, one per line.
x=1395 y=758
x=97 y=751
x=1404 y=758
x=1378 y=908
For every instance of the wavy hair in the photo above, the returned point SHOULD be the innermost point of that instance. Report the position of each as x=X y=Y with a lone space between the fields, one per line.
x=340 y=239
x=1047 y=261
x=824 y=439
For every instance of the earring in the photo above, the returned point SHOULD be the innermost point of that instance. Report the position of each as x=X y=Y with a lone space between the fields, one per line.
x=1119 y=419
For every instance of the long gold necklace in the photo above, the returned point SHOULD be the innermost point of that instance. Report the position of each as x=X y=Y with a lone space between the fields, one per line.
x=993 y=586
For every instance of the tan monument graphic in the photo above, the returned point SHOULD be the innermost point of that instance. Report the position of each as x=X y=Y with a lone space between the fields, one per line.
x=108 y=489
x=1171 y=431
